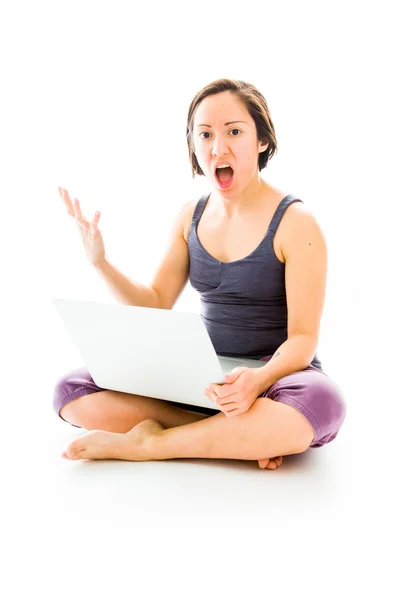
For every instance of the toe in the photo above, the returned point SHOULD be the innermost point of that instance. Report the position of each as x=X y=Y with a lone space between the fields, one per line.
x=270 y=463
x=77 y=449
x=75 y=453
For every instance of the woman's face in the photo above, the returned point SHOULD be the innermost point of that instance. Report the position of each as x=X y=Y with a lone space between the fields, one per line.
x=217 y=140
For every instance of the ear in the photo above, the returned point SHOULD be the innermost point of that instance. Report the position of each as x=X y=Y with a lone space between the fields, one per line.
x=263 y=146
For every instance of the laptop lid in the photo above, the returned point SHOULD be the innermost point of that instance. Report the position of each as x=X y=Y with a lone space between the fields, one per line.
x=153 y=352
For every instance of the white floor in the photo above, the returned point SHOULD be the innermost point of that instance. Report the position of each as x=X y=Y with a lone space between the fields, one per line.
x=320 y=524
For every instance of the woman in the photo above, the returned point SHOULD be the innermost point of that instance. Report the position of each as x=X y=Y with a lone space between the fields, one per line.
x=258 y=258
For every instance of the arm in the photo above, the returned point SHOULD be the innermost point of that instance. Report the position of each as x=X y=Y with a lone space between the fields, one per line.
x=125 y=290
x=170 y=278
x=305 y=253
x=295 y=354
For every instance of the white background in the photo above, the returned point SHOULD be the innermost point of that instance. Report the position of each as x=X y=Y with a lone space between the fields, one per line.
x=94 y=98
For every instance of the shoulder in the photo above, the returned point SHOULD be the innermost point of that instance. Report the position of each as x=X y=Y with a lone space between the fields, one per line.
x=301 y=225
x=180 y=225
x=298 y=212
x=186 y=215
x=299 y=215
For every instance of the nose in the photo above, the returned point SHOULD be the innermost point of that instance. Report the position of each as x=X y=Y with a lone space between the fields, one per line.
x=220 y=146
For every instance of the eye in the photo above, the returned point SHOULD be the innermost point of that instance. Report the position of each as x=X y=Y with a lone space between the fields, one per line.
x=207 y=132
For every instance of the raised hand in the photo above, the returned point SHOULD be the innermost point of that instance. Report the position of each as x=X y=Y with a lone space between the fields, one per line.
x=90 y=233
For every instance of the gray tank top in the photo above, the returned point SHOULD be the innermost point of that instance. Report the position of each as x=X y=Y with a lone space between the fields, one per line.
x=243 y=302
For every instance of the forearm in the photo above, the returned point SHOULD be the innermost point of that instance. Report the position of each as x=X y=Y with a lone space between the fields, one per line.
x=124 y=290
x=295 y=354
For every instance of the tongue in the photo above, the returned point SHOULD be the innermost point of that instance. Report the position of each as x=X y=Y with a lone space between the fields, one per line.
x=224 y=174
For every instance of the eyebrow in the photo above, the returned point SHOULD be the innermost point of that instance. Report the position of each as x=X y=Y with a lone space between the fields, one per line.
x=228 y=123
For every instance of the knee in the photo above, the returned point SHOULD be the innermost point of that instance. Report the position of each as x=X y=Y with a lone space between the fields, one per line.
x=68 y=388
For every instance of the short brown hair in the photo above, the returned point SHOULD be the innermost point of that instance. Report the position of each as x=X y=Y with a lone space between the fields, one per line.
x=257 y=107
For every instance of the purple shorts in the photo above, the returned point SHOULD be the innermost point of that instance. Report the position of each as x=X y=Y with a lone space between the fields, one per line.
x=310 y=391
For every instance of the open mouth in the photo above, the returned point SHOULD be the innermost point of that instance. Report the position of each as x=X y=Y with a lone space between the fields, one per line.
x=224 y=176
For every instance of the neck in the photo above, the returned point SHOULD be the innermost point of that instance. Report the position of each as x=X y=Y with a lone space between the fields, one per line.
x=249 y=199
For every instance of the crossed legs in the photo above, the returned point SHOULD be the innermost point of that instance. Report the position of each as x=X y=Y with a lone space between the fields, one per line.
x=267 y=429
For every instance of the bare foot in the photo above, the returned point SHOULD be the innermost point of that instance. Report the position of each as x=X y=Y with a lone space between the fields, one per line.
x=133 y=445
x=118 y=446
x=270 y=463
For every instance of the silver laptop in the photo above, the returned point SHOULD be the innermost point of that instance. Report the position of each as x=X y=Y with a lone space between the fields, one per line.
x=153 y=352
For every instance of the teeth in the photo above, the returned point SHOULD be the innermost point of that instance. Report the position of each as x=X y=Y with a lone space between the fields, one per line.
x=223 y=166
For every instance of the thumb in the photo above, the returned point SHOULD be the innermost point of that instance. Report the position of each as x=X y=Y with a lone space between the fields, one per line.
x=233 y=375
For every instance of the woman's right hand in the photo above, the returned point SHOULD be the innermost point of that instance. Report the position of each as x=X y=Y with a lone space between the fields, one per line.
x=91 y=236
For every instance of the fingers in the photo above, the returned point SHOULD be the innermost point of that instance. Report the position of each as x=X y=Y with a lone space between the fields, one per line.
x=211 y=393
x=79 y=219
x=67 y=201
x=73 y=207
x=224 y=401
x=220 y=391
x=228 y=407
x=95 y=221
x=75 y=211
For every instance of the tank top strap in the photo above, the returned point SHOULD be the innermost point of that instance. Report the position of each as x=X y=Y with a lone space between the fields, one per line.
x=199 y=208
x=276 y=219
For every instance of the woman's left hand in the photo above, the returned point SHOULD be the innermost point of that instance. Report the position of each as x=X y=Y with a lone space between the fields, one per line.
x=242 y=388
